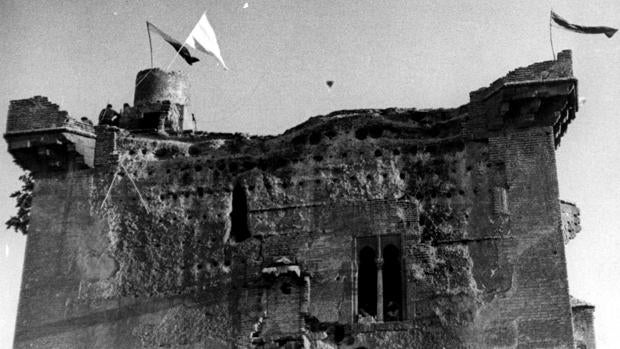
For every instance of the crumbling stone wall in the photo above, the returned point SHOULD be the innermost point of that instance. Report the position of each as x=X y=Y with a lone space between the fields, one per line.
x=571 y=221
x=43 y=138
x=35 y=113
x=226 y=241
x=583 y=324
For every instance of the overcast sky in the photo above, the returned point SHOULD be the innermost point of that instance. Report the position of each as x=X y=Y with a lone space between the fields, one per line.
x=379 y=53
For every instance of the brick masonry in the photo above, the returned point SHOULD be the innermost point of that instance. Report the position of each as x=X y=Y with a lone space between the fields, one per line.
x=45 y=139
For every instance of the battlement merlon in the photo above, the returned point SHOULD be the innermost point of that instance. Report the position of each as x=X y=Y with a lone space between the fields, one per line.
x=43 y=138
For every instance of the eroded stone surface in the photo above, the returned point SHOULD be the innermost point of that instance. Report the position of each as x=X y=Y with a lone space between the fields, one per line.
x=223 y=240
x=571 y=221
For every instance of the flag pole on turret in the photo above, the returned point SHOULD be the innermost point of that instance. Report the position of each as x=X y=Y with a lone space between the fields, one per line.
x=202 y=38
x=583 y=29
x=551 y=35
x=150 y=43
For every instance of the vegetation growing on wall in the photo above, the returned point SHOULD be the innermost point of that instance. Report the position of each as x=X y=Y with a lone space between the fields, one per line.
x=23 y=198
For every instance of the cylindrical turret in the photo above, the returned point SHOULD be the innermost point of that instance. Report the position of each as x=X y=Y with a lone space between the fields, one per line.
x=155 y=86
x=160 y=99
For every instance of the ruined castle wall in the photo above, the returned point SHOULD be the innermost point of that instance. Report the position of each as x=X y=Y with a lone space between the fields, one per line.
x=160 y=264
x=583 y=325
x=226 y=241
x=65 y=243
x=34 y=113
x=41 y=137
x=533 y=247
x=72 y=294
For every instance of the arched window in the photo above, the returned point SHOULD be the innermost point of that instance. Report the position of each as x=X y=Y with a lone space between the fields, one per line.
x=367 y=282
x=380 y=287
x=392 y=286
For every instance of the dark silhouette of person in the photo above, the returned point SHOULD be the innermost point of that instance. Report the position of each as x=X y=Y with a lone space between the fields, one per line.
x=109 y=116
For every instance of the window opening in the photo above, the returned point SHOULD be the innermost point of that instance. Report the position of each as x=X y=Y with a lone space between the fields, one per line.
x=367 y=282
x=150 y=120
x=239 y=215
x=392 y=286
x=380 y=287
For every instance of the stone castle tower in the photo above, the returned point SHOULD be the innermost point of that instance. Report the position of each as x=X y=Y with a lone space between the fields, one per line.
x=393 y=228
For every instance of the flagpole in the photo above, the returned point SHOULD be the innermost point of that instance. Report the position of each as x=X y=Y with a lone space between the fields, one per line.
x=150 y=44
x=551 y=36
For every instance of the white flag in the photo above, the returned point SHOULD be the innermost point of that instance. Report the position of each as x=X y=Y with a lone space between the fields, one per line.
x=202 y=38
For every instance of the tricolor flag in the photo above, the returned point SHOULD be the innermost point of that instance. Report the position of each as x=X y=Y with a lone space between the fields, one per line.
x=178 y=46
x=608 y=31
x=202 y=38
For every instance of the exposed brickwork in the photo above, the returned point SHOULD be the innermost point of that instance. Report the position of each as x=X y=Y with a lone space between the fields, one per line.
x=561 y=68
x=106 y=153
x=43 y=138
x=146 y=253
x=156 y=86
x=34 y=113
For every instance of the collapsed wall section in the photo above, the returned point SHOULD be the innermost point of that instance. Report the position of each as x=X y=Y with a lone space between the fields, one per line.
x=42 y=138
